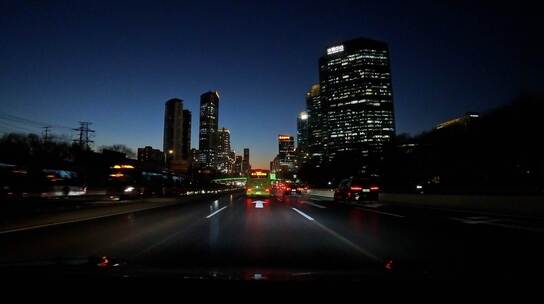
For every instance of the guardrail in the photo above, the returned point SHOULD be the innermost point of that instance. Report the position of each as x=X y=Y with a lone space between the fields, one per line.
x=520 y=205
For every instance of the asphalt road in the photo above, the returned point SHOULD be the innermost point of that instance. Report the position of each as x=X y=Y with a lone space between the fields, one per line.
x=297 y=236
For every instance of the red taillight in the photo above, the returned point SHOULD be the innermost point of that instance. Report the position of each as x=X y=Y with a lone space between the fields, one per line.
x=356 y=188
x=374 y=188
x=104 y=262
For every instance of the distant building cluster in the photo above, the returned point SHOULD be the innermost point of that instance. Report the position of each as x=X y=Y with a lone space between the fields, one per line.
x=284 y=162
x=214 y=151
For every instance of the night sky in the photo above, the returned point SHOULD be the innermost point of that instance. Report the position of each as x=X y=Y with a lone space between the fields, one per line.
x=116 y=64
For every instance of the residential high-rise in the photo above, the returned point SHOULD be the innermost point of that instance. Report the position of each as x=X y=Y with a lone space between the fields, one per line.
x=186 y=136
x=150 y=157
x=173 y=131
x=246 y=166
x=316 y=124
x=209 y=112
x=223 y=151
x=356 y=99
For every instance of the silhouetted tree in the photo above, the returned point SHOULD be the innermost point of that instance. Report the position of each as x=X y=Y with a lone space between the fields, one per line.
x=500 y=152
x=119 y=148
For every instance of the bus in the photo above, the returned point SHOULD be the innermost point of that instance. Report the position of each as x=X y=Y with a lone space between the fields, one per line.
x=258 y=183
x=18 y=183
x=131 y=181
x=61 y=183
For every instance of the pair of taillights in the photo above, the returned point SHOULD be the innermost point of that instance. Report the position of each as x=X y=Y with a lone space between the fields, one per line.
x=251 y=189
x=372 y=188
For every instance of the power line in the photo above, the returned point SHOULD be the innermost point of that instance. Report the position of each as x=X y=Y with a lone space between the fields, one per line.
x=27 y=121
x=10 y=126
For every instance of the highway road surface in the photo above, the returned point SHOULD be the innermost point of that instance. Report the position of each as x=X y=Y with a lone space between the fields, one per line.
x=293 y=237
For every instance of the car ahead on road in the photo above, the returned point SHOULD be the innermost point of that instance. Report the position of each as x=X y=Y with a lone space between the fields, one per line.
x=294 y=188
x=357 y=190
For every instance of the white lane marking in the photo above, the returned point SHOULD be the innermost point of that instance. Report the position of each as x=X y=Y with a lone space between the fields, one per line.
x=373 y=205
x=477 y=220
x=259 y=204
x=320 y=199
x=312 y=204
x=381 y=212
x=474 y=220
x=216 y=212
x=348 y=242
x=156 y=245
x=303 y=214
x=517 y=227
x=339 y=237
x=477 y=212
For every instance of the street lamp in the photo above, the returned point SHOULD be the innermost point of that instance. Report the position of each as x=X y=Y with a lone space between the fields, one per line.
x=168 y=157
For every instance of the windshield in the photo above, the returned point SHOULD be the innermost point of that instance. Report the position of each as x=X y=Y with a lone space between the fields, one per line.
x=263 y=140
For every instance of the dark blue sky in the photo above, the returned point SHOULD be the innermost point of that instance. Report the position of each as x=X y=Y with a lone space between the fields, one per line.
x=115 y=64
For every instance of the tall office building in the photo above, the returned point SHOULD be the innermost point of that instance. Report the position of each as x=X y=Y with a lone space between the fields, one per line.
x=286 y=147
x=302 y=132
x=316 y=123
x=356 y=98
x=246 y=166
x=186 y=136
x=209 y=116
x=223 y=151
x=173 y=131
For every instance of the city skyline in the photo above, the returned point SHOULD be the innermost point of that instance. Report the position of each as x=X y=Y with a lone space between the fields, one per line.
x=436 y=73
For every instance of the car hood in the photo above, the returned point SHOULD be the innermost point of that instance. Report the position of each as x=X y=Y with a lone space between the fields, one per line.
x=90 y=267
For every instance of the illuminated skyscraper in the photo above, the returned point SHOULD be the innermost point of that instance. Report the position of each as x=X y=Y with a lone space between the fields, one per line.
x=224 y=162
x=356 y=98
x=316 y=123
x=209 y=112
x=286 y=150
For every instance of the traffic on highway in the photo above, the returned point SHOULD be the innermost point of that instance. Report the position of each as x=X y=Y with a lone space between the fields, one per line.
x=311 y=235
x=263 y=142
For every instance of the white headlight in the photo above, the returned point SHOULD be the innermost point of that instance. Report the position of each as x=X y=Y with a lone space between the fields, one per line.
x=129 y=189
